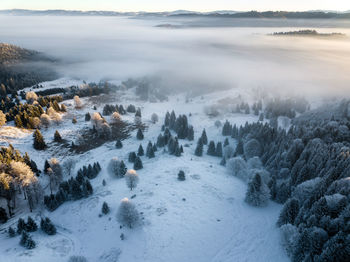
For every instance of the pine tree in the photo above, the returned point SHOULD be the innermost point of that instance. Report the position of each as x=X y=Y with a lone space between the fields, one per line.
x=132 y=157
x=149 y=150
x=3 y=215
x=257 y=193
x=105 y=208
x=138 y=163
x=11 y=232
x=119 y=144
x=139 y=134
x=218 y=151
x=39 y=143
x=239 y=148
x=199 y=148
x=289 y=212
x=160 y=141
x=204 y=137
x=31 y=226
x=226 y=142
x=47 y=226
x=172 y=120
x=87 y=117
x=140 y=151
x=211 y=149
x=190 y=133
x=57 y=137
x=181 y=176
x=24 y=239
x=21 y=225
x=167 y=119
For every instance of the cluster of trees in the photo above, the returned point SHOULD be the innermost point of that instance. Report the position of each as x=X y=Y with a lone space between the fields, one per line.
x=136 y=159
x=179 y=125
x=24 y=228
x=17 y=178
x=308 y=169
x=72 y=189
x=90 y=171
x=285 y=107
x=109 y=109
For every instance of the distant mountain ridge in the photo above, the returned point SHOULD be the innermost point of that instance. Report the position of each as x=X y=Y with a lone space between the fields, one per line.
x=184 y=13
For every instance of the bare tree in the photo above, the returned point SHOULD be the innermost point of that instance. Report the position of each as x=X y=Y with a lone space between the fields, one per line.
x=68 y=166
x=45 y=120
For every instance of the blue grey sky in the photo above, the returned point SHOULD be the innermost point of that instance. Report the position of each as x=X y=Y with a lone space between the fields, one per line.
x=169 y=5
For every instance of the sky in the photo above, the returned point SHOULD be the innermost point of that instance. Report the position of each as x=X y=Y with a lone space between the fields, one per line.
x=170 y=5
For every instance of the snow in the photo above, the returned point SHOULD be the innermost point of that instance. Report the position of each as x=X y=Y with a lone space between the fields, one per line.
x=203 y=218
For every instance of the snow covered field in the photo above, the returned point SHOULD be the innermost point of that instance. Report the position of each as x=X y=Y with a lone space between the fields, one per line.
x=203 y=218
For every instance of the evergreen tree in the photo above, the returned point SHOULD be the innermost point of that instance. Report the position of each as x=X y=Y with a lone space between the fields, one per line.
x=39 y=143
x=57 y=137
x=138 y=112
x=218 y=151
x=199 y=148
x=167 y=119
x=257 y=193
x=132 y=157
x=31 y=226
x=204 y=137
x=172 y=120
x=211 y=149
x=47 y=226
x=139 y=134
x=11 y=232
x=105 y=208
x=226 y=142
x=223 y=161
x=181 y=176
x=21 y=225
x=289 y=212
x=87 y=117
x=3 y=215
x=140 y=151
x=160 y=141
x=239 y=148
x=24 y=239
x=138 y=163
x=119 y=144
x=149 y=150
x=190 y=133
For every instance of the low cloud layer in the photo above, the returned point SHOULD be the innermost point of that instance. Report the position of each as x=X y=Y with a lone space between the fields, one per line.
x=200 y=58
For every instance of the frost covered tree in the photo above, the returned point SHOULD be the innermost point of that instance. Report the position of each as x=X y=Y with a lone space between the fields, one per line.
x=117 y=167
x=154 y=118
x=45 y=120
x=257 y=192
x=96 y=120
x=238 y=167
x=68 y=166
x=289 y=212
x=31 y=97
x=252 y=148
x=27 y=241
x=131 y=179
x=31 y=226
x=77 y=102
x=55 y=173
x=39 y=143
x=127 y=214
x=2 y=118
x=115 y=118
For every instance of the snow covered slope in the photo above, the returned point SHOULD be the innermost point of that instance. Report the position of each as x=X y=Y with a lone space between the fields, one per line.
x=203 y=218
